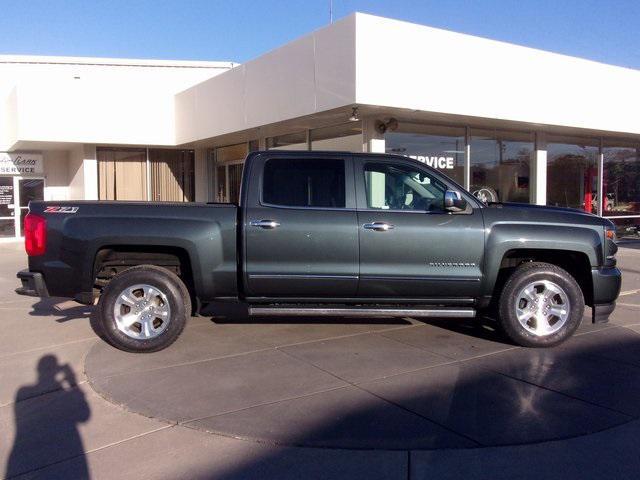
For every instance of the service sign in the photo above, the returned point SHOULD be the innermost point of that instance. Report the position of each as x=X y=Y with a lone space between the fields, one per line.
x=440 y=162
x=20 y=163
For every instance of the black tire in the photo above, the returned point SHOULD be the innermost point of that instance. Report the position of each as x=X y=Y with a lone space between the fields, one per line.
x=523 y=276
x=166 y=282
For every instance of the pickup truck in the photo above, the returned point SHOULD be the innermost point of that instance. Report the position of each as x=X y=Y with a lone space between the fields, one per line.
x=325 y=233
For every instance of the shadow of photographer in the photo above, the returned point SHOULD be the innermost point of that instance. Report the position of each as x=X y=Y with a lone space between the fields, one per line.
x=56 y=423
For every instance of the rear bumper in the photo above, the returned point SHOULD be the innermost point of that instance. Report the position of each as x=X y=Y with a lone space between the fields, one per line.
x=33 y=284
x=606 y=288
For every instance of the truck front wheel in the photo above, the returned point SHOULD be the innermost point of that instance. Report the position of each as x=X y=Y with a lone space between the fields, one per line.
x=144 y=309
x=541 y=305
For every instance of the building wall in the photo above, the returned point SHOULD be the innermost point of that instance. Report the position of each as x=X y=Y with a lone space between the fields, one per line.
x=56 y=173
x=8 y=118
x=76 y=173
x=405 y=65
x=94 y=100
x=312 y=74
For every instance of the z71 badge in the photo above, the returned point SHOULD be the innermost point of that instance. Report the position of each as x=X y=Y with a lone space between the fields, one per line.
x=61 y=209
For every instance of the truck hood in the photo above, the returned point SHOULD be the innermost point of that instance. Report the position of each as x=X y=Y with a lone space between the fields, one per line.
x=545 y=214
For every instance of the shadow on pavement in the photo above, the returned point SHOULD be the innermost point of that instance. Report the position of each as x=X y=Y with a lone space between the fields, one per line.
x=520 y=397
x=482 y=327
x=47 y=307
x=509 y=397
x=311 y=320
x=51 y=421
x=224 y=312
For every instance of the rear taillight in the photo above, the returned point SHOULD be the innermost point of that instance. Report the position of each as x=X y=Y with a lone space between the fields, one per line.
x=35 y=234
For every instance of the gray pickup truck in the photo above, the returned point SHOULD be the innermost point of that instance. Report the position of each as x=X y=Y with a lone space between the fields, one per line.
x=325 y=233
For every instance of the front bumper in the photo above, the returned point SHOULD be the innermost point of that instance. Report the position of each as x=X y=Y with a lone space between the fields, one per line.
x=33 y=284
x=606 y=288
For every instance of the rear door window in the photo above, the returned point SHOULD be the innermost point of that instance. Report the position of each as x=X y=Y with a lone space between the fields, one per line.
x=291 y=182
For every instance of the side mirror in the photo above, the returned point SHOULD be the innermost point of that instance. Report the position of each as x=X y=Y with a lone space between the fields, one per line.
x=453 y=201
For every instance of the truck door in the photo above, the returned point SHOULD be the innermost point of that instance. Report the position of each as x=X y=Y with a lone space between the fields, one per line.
x=409 y=245
x=300 y=226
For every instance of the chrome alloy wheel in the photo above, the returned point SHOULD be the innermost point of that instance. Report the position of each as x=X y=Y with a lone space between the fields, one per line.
x=142 y=312
x=542 y=308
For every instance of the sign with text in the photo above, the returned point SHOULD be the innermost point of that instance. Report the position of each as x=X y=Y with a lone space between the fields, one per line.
x=6 y=196
x=439 y=162
x=20 y=163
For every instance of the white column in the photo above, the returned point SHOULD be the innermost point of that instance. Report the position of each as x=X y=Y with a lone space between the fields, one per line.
x=90 y=171
x=538 y=172
x=373 y=141
x=202 y=173
x=467 y=160
x=600 y=186
x=148 y=175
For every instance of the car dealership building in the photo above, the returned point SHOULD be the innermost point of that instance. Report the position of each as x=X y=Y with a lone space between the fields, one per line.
x=509 y=123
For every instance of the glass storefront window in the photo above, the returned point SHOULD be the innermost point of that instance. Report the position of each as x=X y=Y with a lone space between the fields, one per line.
x=572 y=173
x=290 y=141
x=621 y=186
x=621 y=181
x=127 y=174
x=346 y=137
x=172 y=175
x=500 y=165
x=122 y=174
x=30 y=189
x=254 y=145
x=442 y=148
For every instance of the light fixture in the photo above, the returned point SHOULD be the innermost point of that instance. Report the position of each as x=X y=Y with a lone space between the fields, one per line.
x=381 y=126
x=354 y=115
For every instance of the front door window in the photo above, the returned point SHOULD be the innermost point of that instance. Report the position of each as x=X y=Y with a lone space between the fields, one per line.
x=399 y=187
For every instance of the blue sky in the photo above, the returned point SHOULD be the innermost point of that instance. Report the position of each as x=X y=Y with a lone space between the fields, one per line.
x=238 y=30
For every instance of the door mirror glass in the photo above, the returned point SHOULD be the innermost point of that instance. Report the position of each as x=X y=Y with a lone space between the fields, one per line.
x=453 y=201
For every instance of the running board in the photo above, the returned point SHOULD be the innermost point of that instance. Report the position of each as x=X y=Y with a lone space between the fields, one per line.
x=362 y=312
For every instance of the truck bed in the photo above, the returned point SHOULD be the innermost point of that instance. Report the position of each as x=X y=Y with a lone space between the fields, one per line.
x=78 y=230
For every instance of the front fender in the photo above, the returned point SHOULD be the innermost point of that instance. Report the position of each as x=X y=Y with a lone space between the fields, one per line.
x=509 y=236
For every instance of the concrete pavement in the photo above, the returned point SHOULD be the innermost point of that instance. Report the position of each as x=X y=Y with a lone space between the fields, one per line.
x=315 y=399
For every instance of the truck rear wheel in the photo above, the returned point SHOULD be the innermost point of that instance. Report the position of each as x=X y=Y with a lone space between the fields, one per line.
x=541 y=305
x=144 y=309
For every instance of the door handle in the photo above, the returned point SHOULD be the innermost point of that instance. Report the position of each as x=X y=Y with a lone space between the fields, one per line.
x=379 y=226
x=267 y=224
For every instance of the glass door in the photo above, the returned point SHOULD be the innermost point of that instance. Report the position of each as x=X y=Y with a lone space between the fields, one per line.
x=221 y=184
x=229 y=162
x=28 y=189
x=7 y=205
